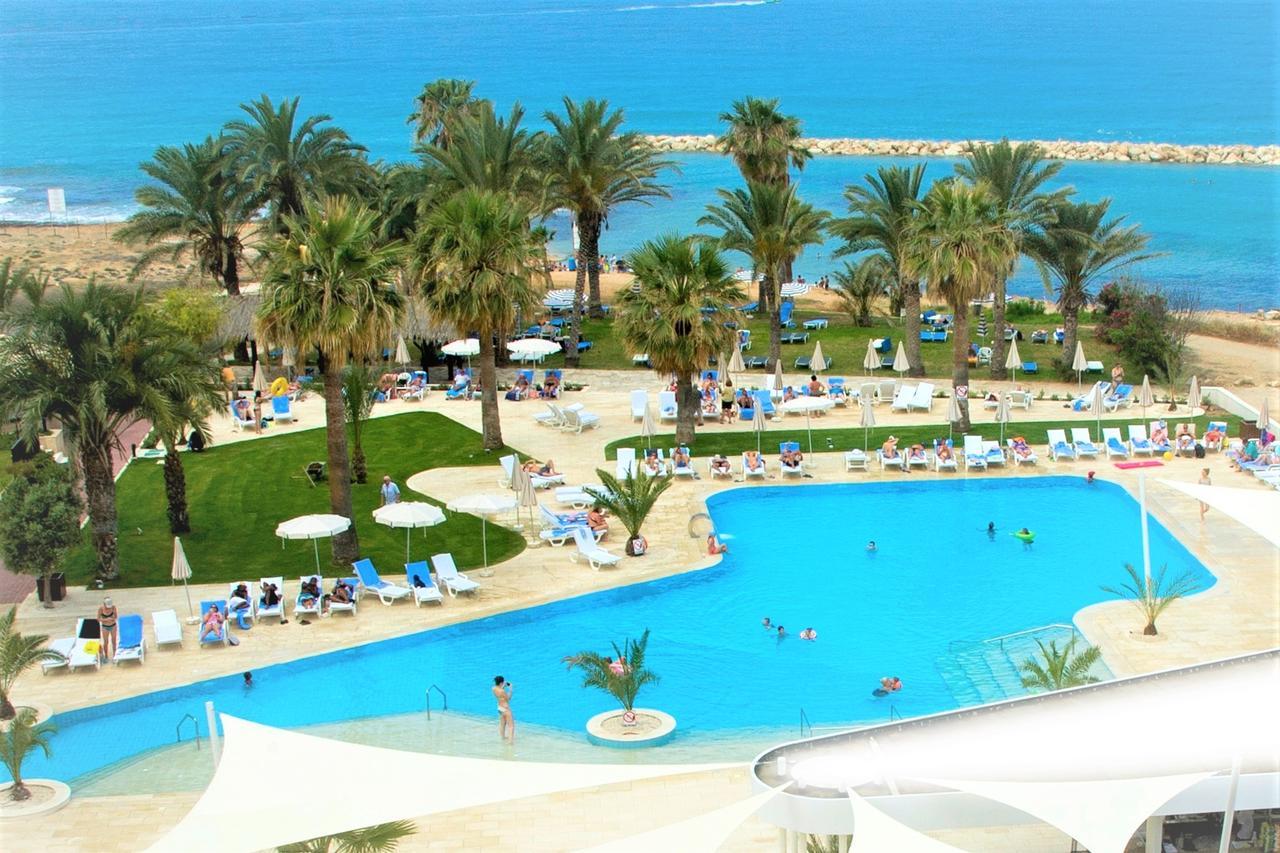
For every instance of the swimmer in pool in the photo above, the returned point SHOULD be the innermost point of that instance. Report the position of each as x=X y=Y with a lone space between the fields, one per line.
x=991 y=530
x=871 y=546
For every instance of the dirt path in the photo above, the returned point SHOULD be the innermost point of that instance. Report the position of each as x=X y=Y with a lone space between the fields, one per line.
x=1252 y=371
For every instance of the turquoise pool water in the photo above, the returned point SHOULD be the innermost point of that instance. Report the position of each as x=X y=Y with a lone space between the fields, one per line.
x=798 y=556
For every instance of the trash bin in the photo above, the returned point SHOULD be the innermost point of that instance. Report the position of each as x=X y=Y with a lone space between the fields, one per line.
x=57 y=587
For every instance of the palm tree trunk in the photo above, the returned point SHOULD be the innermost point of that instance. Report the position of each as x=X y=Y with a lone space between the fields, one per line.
x=775 y=322
x=588 y=253
x=175 y=490
x=490 y=424
x=960 y=366
x=998 y=370
x=595 y=309
x=346 y=545
x=1070 y=309
x=359 y=465
x=231 y=275
x=100 y=495
x=911 y=330
x=688 y=404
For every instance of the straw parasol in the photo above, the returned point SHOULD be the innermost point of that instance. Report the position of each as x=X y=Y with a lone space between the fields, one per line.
x=181 y=571
x=871 y=361
x=817 y=363
x=313 y=527
x=1013 y=361
x=1080 y=364
x=901 y=364
x=1145 y=397
x=868 y=419
x=484 y=506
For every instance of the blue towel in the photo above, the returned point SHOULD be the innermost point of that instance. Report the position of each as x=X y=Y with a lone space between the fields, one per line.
x=130 y=631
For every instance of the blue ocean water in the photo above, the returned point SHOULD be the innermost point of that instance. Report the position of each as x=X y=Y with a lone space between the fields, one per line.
x=89 y=88
x=797 y=556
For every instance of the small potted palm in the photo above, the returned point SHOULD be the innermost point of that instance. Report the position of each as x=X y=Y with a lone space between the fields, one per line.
x=22 y=736
x=630 y=500
x=621 y=676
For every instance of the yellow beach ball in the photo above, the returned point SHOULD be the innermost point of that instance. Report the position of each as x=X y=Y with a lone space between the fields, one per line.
x=1168 y=456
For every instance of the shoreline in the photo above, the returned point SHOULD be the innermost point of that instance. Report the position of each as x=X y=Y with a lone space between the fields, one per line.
x=1060 y=149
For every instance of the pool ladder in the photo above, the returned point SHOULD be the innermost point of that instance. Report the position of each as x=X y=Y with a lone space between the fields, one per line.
x=443 y=699
x=807 y=728
x=195 y=725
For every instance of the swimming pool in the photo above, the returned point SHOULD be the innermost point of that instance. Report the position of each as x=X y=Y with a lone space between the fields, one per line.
x=798 y=555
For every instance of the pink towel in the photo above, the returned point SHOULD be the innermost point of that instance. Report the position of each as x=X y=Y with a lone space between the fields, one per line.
x=1144 y=463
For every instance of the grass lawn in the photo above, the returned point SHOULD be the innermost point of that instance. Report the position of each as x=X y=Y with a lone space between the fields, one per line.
x=239 y=492
x=846 y=345
x=732 y=444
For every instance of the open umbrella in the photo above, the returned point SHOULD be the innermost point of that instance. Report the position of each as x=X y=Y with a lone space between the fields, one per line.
x=792 y=289
x=1145 y=397
x=746 y=275
x=259 y=378
x=409 y=515
x=868 y=419
x=808 y=405
x=1095 y=402
x=953 y=415
x=1003 y=415
x=1013 y=361
x=1080 y=364
x=871 y=361
x=647 y=428
x=484 y=506
x=182 y=572
x=402 y=351
x=757 y=424
x=736 y=364
x=532 y=347
x=462 y=348
x=900 y=362
x=817 y=363
x=313 y=527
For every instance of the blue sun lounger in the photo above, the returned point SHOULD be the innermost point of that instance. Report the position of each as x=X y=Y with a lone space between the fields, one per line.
x=418 y=576
x=219 y=639
x=132 y=645
x=371 y=582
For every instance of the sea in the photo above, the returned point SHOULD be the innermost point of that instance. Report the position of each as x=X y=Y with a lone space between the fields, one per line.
x=89 y=88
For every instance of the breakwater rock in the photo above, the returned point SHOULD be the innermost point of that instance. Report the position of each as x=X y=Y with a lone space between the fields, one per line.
x=1061 y=149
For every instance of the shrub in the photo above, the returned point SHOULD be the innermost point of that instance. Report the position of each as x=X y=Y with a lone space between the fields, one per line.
x=1024 y=309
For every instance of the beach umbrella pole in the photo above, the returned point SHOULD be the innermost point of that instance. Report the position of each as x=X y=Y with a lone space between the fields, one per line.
x=315 y=546
x=484 y=539
x=191 y=612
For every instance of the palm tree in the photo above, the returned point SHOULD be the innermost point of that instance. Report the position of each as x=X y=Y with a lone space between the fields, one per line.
x=1151 y=595
x=622 y=676
x=196 y=206
x=881 y=217
x=1060 y=668
x=630 y=498
x=861 y=284
x=592 y=169
x=440 y=105
x=957 y=245
x=478 y=262
x=381 y=838
x=284 y=161
x=1015 y=176
x=763 y=143
x=88 y=358
x=676 y=312
x=772 y=226
x=18 y=653
x=22 y=736
x=487 y=153
x=328 y=287
x=359 y=384
x=1076 y=251
x=20 y=282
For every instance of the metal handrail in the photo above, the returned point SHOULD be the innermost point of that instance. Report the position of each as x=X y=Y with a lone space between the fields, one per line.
x=195 y=724
x=951 y=646
x=443 y=697
x=894 y=714
x=804 y=723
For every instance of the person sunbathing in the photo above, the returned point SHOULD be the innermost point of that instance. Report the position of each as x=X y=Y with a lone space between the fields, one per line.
x=944 y=451
x=720 y=464
x=889 y=450
x=916 y=453
x=239 y=598
x=1214 y=435
x=341 y=595
x=243 y=409
x=744 y=400
x=544 y=469
x=521 y=388
x=270 y=594
x=1186 y=440
x=680 y=458
x=788 y=458
x=596 y=520
x=1020 y=447
x=551 y=387
x=1160 y=435
x=387 y=381
x=753 y=460
x=816 y=388
x=414 y=387
x=211 y=626
x=789 y=393
x=652 y=464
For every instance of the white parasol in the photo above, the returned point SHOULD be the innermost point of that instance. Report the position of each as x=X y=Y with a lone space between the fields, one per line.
x=1193 y=395
x=313 y=527
x=757 y=422
x=463 y=347
x=777 y=376
x=872 y=359
x=1003 y=414
x=1013 y=361
x=1145 y=397
x=1264 y=416
x=900 y=362
x=808 y=405
x=532 y=346
x=1080 y=364
x=1096 y=403
x=522 y=485
x=953 y=415
x=409 y=515
x=647 y=428
x=484 y=506
x=182 y=572
x=868 y=418
x=794 y=288
x=402 y=351
x=259 y=378
x=817 y=363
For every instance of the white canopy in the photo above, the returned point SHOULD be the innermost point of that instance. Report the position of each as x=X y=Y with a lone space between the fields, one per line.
x=1257 y=509
x=702 y=832
x=274 y=786
x=877 y=831
x=409 y=514
x=463 y=347
x=483 y=504
x=532 y=346
x=312 y=526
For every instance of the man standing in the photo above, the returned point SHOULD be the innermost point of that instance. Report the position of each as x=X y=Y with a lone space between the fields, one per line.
x=390 y=491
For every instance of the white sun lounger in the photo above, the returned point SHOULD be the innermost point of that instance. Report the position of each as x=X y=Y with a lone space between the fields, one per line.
x=903 y=399
x=727 y=471
x=898 y=461
x=639 y=403
x=428 y=592
x=312 y=605
x=370 y=581
x=995 y=456
x=266 y=610
x=747 y=473
x=166 y=628
x=923 y=398
x=540 y=481
x=575 y=496
x=885 y=390
x=587 y=548
x=1083 y=443
x=1138 y=441
x=1029 y=459
x=856 y=460
x=948 y=464
x=552 y=417
x=685 y=470
x=81 y=656
x=1059 y=447
x=1114 y=443
x=449 y=577
x=131 y=644
x=626 y=465
x=63 y=647
x=785 y=469
x=250 y=610
x=975 y=455
x=667 y=409
x=347 y=606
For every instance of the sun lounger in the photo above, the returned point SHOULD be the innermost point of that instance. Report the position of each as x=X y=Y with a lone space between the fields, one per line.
x=63 y=647
x=551 y=417
x=784 y=468
x=371 y=581
x=449 y=577
x=260 y=605
x=1093 y=366
x=685 y=470
x=557 y=528
x=87 y=650
x=1215 y=426
x=856 y=460
x=1122 y=396
x=660 y=465
x=785 y=310
x=975 y=455
x=238 y=422
x=1083 y=443
x=920 y=460
x=540 y=481
x=1116 y=448
x=574 y=496
x=576 y=420
x=639 y=404
x=1138 y=441
x=627 y=464
x=748 y=473
x=764 y=403
x=885 y=390
x=166 y=627
x=130 y=644
x=587 y=549
x=948 y=464
x=243 y=613
x=1018 y=459
x=903 y=398
x=898 y=460
x=667 y=410
x=836 y=391
x=346 y=606
x=1164 y=444
x=922 y=399
x=220 y=638
x=1059 y=447
x=995 y=456
x=303 y=606
x=1022 y=399
x=418 y=577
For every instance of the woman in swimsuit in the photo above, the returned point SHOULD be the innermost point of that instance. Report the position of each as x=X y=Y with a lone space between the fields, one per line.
x=212 y=625
x=506 y=720
x=107 y=616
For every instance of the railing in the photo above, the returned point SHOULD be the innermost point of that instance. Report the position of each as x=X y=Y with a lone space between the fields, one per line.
x=955 y=644
x=195 y=724
x=894 y=714
x=807 y=728
x=805 y=724
x=444 y=699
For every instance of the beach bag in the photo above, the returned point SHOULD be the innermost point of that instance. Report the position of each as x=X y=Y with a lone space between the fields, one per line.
x=1199 y=450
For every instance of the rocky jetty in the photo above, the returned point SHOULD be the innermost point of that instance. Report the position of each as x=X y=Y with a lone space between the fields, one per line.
x=1062 y=149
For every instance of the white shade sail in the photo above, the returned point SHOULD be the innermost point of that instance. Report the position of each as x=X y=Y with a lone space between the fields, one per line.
x=703 y=832
x=461 y=348
x=312 y=526
x=410 y=514
x=274 y=786
x=901 y=364
x=532 y=346
x=876 y=831
x=1257 y=509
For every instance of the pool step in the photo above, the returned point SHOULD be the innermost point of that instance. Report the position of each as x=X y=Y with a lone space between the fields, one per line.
x=989 y=671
